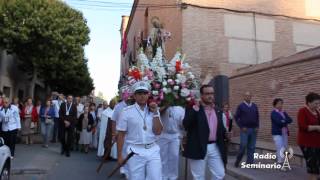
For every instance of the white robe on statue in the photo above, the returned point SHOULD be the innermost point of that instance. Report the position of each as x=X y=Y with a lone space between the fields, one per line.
x=106 y=114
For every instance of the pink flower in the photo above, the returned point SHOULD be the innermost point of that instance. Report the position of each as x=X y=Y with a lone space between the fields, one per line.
x=161 y=96
x=171 y=82
x=157 y=86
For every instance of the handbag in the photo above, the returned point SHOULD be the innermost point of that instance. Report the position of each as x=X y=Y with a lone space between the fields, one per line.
x=48 y=121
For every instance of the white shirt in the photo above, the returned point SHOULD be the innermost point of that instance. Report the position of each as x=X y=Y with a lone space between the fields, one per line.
x=80 y=109
x=117 y=110
x=56 y=105
x=172 y=120
x=131 y=121
x=248 y=104
x=10 y=119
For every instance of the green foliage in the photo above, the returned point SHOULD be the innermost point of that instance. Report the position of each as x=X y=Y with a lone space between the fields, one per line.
x=48 y=38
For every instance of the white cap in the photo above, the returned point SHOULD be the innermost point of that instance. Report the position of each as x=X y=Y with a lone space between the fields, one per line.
x=141 y=86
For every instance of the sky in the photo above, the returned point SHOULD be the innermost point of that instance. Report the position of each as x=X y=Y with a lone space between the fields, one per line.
x=103 y=51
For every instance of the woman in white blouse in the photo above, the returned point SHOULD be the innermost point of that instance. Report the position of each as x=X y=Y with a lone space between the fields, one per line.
x=10 y=118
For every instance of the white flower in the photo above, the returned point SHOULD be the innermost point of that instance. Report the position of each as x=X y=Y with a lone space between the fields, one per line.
x=192 y=76
x=176 y=88
x=185 y=92
x=156 y=93
x=170 y=80
x=171 y=69
x=165 y=90
x=164 y=83
x=177 y=81
x=145 y=78
x=183 y=79
x=189 y=73
x=188 y=99
x=178 y=76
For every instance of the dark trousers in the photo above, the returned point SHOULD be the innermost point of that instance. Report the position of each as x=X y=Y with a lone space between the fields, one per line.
x=55 y=129
x=66 y=139
x=247 y=142
x=76 y=139
x=10 y=138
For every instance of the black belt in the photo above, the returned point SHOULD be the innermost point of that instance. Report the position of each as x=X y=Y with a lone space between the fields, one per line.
x=211 y=142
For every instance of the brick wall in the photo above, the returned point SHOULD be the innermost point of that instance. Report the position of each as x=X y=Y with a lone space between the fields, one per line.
x=290 y=78
x=207 y=44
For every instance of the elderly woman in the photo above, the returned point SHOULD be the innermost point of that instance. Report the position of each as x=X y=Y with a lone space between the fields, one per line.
x=10 y=118
x=280 y=120
x=309 y=134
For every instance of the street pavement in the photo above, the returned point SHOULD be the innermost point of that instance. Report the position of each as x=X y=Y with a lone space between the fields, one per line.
x=33 y=162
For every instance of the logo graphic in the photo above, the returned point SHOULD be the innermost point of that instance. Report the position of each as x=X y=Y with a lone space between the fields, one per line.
x=286 y=154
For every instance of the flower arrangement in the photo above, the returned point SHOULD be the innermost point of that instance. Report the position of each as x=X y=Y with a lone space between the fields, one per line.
x=172 y=83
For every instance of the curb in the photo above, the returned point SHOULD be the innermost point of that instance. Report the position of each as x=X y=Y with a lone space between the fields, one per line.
x=27 y=171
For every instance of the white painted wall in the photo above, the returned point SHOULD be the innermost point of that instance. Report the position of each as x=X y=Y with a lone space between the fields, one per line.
x=242 y=51
x=242 y=32
x=237 y=26
x=306 y=34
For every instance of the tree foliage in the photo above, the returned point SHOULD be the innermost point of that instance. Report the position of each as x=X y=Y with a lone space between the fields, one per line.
x=48 y=38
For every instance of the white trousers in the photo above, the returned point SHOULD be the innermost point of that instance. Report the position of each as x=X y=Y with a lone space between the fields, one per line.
x=169 y=151
x=281 y=141
x=146 y=164
x=124 y=169
x=215 y=164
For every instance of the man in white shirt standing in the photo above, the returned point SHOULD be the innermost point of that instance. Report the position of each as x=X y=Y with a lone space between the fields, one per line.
x=140 y=124
x=10 y=118
x=169 y=141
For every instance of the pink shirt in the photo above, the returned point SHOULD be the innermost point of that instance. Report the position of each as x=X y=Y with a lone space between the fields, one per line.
x=212 y=122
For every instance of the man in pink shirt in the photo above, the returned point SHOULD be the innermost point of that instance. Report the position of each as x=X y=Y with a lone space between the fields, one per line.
x=206 y=137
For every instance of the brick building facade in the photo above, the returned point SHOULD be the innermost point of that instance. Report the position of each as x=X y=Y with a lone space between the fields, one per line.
x=219 y=37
